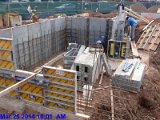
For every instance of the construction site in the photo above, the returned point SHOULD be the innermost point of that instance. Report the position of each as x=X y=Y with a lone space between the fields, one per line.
x=85 y=66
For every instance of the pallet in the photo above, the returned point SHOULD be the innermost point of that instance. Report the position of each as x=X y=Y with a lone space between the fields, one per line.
x=150 y=38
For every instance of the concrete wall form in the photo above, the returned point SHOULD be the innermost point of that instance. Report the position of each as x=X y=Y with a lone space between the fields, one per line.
x=97 y=28
x=77 y=30
x=86 y=31
x=35 y=43
x=41 y=81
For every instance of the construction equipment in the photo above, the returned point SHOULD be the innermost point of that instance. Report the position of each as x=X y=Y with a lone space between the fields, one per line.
x=119 y=43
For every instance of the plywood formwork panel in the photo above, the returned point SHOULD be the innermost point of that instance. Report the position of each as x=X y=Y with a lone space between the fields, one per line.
x=56 y=88
x=31 y=92
x=5 y=44
x=7 y=61
x=61 y=93
x=5 y=55
x=32 y=98
x=6 y=82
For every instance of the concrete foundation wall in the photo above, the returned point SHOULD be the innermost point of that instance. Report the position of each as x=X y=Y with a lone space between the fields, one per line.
x=37 y=42
x=77 y=30
x=86 y=31
x=97 y=28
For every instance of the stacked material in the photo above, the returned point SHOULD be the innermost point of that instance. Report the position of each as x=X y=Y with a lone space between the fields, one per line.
x=150 y=38
x=129 y=75
x=12 y=20
x=88 y=67
x=71 y=55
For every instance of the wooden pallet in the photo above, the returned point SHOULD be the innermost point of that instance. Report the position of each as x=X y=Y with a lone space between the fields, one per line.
x=150 y=38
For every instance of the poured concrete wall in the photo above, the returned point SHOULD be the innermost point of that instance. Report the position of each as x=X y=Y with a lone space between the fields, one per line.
x=77 y=30
x=86 y=31
x=97 y=28
x=37 y=42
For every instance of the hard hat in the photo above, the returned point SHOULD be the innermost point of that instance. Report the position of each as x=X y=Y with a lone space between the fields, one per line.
x=99 y=42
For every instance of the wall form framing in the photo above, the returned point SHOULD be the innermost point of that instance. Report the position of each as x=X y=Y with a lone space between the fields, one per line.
x=50 y=89
x=35 y=43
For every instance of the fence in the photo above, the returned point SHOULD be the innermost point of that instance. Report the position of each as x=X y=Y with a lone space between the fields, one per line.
x=45 y=9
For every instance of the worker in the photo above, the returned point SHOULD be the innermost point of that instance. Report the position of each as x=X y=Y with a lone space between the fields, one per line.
x=34 y=14
x=103 y=43
x=120 y=4
x=133 y=23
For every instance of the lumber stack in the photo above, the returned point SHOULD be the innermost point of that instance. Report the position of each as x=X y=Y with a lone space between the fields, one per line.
x=129 y=75
x=150 y=38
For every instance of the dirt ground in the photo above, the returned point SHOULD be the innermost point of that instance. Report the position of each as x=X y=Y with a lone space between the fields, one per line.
x=140 y=8
x=153 y=9
x=139 y=30
x=97 y=14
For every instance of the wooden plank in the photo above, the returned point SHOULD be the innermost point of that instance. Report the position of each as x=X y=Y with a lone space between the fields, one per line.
x=144 y=36
x=112 y=104
x=134 y=49
x=134 y=14
x=154 y=42
x=149 y=37
x=141 y=37
x=148 y=25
